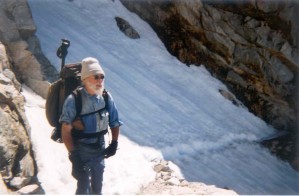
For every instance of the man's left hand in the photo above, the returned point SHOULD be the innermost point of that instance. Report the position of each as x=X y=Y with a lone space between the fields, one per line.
x=111 y=149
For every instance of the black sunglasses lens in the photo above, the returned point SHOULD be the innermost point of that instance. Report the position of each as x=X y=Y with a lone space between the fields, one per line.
x=97 y=77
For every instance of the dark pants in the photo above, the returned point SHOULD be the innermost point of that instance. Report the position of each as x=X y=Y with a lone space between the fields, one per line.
x=90 y=176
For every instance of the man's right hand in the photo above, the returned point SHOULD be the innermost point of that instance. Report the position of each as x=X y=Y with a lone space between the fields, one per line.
x=66 y=135
x=78 y=165
x=74 y=156
x=78 y=124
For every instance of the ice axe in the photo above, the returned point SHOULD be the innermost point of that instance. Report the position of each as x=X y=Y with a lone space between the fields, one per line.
x=62 y=51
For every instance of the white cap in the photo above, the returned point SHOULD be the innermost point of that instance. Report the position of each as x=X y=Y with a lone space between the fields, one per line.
x=90 y=67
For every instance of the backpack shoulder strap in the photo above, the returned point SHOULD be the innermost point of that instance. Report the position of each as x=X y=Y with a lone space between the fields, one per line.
x=106 y=96
x=78 y=101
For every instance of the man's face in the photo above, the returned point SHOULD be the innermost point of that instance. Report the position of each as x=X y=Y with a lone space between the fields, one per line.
x=95 y=84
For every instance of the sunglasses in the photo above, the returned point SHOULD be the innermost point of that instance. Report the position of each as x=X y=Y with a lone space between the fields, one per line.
x=98 y=77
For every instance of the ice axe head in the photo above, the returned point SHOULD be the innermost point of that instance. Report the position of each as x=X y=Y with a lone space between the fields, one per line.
x=65 y=43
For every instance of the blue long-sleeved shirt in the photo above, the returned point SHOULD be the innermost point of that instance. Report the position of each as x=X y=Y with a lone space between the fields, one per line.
x=90 y=103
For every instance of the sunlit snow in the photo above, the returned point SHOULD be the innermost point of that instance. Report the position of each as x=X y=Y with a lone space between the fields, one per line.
x=170 y=111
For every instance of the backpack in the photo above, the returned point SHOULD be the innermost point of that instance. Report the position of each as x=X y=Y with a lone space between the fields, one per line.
x=57 y=93
x=59 y=90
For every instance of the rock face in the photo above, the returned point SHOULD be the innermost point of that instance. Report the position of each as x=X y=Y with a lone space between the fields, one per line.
x=17 y=31
x=17 y=164
x=251 y=45
x=20 y=58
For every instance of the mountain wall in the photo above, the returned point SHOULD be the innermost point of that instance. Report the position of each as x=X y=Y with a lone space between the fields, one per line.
x=21 y=61
x=250 y=45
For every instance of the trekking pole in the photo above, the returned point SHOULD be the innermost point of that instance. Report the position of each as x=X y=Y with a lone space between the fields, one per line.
x=62 y=51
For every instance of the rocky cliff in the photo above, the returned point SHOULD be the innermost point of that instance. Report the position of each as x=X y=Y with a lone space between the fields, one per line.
x=250 y=45
x=21 y=61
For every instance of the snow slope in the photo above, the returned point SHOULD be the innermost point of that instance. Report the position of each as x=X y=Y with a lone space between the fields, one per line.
x=170 y=111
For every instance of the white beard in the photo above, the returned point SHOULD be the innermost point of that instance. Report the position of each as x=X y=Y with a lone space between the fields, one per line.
x=93 y=87
x=100 y=91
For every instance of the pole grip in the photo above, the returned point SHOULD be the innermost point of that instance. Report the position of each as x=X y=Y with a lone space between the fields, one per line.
x=62 y=51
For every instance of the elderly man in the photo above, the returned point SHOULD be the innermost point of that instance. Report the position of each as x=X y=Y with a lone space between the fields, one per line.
x=83 y=134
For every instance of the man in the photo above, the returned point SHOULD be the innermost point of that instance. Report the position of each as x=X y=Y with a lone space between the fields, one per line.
x=84 y=136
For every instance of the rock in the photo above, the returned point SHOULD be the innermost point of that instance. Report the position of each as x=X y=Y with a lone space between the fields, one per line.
x=3 y=188
x=126 y=28
x=17 y=31
x=236 y=78
x=184 y=183
x=28 y=68
x=4 y=80
x=168 y=183
x=11 y=76
x=15 y=147
x=30 y=190
x=49 y=72
x=166 y=177
x=21 y=56
x=19 y=182
x=39 y=87
x=173 y=181
x=4 y=64
x=21 y=14
x=230 y=97
x=8 y=29
x=27 y=65
x=295 y=163
x=161 y=167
